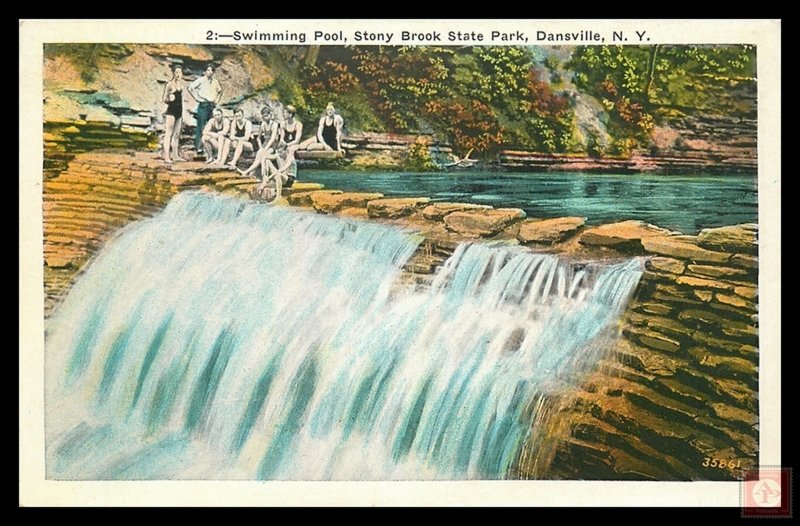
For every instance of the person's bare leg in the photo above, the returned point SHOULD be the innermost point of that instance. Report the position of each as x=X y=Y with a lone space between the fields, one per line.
x=278 y=186
x=267 y=168
x=317 y=146
x=208 y=148
x=226 y=147
x=176 y=136
x=169 y=126
x=222 y=150
x=305 y=144
x=240 y=147
x=256 y=162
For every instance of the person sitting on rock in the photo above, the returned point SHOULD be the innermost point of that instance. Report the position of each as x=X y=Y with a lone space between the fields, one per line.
x=329 y=132
x=239 y=138
x=215 y=135
x=278 y=177
x=292 y=129
x=265 y=142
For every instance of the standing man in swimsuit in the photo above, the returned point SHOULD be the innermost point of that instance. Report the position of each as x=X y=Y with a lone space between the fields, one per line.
x=239 y=138
x=173 y=116
x=215 y=135
x=329 y=132
x=266 y=141
x=207 y=92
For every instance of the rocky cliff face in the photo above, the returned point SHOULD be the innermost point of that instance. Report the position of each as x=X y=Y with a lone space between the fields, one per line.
x=679 y=386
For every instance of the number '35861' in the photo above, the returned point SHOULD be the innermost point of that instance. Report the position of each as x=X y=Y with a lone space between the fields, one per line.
x=709 y=462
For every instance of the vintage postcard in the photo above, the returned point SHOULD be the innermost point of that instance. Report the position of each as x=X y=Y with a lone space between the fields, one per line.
x=399 y=262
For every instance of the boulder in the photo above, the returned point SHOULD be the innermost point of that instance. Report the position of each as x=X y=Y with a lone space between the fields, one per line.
x=304 y=198
x=393 y=208
x=737 y=238
x=625 y=236
x=703 y=295
x=703 y=283
x=653 y=339
x=735 y=301
x=662 y=264
x=300 y=186
x=318 y=154
x=725 y=365
x=745 y=261
x=437 y=211
x=682 y=249
x=358 y=212
x=746 y=292
x=481 y=223
x=327 y=203
x=731 y=413
x=549 y=231
x=716 y=271
x=654 y=308
x=59 y=262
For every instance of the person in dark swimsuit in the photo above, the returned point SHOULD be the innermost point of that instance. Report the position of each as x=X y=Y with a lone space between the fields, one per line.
x=239 y=138
x=215 y=135
x=266 y=140
x=173 y=116
x=329 y=132
x=292 y=129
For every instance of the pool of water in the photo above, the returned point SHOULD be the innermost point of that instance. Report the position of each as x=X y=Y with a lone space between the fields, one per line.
x=684 y=203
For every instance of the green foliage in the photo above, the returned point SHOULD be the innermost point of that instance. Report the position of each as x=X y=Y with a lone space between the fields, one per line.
x=638 y=85
x=418 y=157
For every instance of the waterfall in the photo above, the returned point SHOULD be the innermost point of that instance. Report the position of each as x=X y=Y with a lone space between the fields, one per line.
x=231 y=340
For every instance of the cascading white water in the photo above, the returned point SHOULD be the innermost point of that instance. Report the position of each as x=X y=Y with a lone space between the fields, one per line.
x=229 y=340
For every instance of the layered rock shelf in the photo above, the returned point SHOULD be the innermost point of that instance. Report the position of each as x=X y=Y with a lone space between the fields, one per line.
x=679 y=385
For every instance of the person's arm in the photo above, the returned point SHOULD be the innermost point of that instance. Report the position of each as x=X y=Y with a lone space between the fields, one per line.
x=319 y=130
x=208 y=128
x=285 y=165
x=226 y=127
x=192 y=89
x=298 y=132
x=248 y=130
x=273 y=135
x=167 y=92
x=338 y=121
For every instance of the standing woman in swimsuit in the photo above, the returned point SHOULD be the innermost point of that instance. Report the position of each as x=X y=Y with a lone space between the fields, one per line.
x=329 y=132
x=173 y=117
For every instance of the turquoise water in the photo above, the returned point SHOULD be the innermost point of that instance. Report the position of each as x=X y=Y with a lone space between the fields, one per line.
x=684 y=203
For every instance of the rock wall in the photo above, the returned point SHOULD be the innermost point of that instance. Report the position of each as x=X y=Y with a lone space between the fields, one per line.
x=678 y=386
x=681 y=386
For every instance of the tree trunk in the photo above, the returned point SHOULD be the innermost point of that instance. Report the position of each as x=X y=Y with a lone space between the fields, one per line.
x=651 y=73
x=311 y=55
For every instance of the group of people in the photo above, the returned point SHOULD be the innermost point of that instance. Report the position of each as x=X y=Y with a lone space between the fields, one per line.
x=274 y=143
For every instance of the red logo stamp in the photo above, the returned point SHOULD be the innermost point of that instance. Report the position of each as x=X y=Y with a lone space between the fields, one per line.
x=767 y=492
